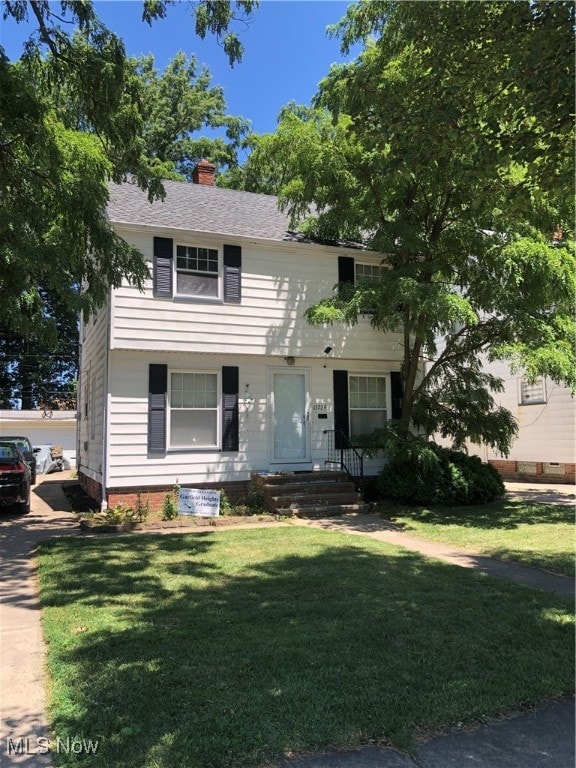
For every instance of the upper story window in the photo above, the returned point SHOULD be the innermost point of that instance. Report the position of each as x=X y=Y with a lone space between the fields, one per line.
x=532 y=394
x=368 y=273
x=197 y=271
x=194 y=272
x=367 y=404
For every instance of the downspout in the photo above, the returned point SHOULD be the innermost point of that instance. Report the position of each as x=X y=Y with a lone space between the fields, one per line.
x=106 y=406
x=79 y=404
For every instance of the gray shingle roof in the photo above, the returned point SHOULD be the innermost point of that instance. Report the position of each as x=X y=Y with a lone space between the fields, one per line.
x=201 y=208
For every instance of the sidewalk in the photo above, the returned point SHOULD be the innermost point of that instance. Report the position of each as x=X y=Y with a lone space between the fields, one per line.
x=543 y=738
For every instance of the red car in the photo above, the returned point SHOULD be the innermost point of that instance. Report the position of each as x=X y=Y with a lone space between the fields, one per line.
x=14 y=478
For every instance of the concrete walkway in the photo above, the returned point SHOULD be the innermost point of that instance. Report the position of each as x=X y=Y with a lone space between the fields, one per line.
x=377 y=528
x=540 y=739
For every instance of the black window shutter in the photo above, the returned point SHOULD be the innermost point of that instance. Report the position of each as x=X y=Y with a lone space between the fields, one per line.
x=230 y=387
x=232 y=274
x=345 y=269
x=341 y=420
x=162 y=267
x=157 y=388
x=396 y=392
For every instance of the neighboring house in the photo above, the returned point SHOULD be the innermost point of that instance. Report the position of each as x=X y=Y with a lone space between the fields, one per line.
x=43 y=428
x=544 y=449
x=212 y=373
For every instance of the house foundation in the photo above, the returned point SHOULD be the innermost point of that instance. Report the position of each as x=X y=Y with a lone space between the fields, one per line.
x=535 y=471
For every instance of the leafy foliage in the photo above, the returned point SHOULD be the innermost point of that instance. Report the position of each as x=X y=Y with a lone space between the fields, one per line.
x=444 y=147
x=178 y=104
x=41 y=369
x=75 y=113
x=422 y=472
x=170 y=505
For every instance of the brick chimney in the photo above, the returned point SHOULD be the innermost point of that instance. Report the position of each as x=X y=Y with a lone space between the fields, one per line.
x=204 y=173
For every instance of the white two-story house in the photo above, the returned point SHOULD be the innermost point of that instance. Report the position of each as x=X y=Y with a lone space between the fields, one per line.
x=212 y=372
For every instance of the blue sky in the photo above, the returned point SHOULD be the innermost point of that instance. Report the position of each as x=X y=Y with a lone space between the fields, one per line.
x=287 y=51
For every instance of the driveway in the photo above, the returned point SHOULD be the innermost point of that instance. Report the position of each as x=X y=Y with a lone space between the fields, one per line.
x=22 y=702
x=544 y=493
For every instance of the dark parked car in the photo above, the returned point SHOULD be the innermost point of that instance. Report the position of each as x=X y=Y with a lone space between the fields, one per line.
x=28 y=452
x=14 y=478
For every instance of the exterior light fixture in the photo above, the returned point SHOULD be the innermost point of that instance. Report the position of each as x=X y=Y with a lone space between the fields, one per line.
x=248 y=397
x=290 y=360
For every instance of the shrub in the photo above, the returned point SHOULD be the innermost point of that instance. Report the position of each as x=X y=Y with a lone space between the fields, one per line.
x=226 y=507
x=170 y=505
x=422 y=472
x=142 y=508
x=119 y=514
x=255 y=500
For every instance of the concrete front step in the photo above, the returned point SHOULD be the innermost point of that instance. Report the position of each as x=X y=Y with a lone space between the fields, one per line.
x=302 y=477
x=309 y=493
x=284 y=489
x=314 y=499
x=313 y=511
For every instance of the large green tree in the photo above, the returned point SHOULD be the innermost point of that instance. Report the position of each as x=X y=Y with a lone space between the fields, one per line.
x=447 y=145
x=74 y=114
x=36 y=371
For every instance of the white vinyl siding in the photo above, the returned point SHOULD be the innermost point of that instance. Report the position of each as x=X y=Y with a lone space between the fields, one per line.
x=92 y=395
x=367 y=403
x=128 y=459
x=546 y=431
x=278 y=284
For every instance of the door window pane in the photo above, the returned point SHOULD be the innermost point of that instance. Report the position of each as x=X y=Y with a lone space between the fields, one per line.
x=290 y=416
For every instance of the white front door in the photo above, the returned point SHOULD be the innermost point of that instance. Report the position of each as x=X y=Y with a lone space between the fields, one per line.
x=290 y=428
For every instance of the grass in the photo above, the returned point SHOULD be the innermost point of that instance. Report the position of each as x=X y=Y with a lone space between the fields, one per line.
x=237 y=648
x=541 y=535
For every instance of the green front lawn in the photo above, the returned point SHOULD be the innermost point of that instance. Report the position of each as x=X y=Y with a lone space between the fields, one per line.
x=236 y=648
x=541 y=535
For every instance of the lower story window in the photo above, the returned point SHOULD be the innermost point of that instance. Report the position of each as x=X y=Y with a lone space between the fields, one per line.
x=193 y=410
x=367 y=403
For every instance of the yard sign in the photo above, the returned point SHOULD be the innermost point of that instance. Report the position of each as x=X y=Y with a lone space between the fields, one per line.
x=199 y=502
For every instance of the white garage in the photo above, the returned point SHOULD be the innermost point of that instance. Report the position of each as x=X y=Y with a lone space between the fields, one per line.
x=43 y=428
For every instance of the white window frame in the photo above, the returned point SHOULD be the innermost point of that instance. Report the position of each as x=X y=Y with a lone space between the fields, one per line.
x=369 y=375
x=532 y=394
x=218 y=275
x=377 y=271
x=218 y=408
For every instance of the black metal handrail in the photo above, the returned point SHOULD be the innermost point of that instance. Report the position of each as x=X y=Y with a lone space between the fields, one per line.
x=343 y=454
